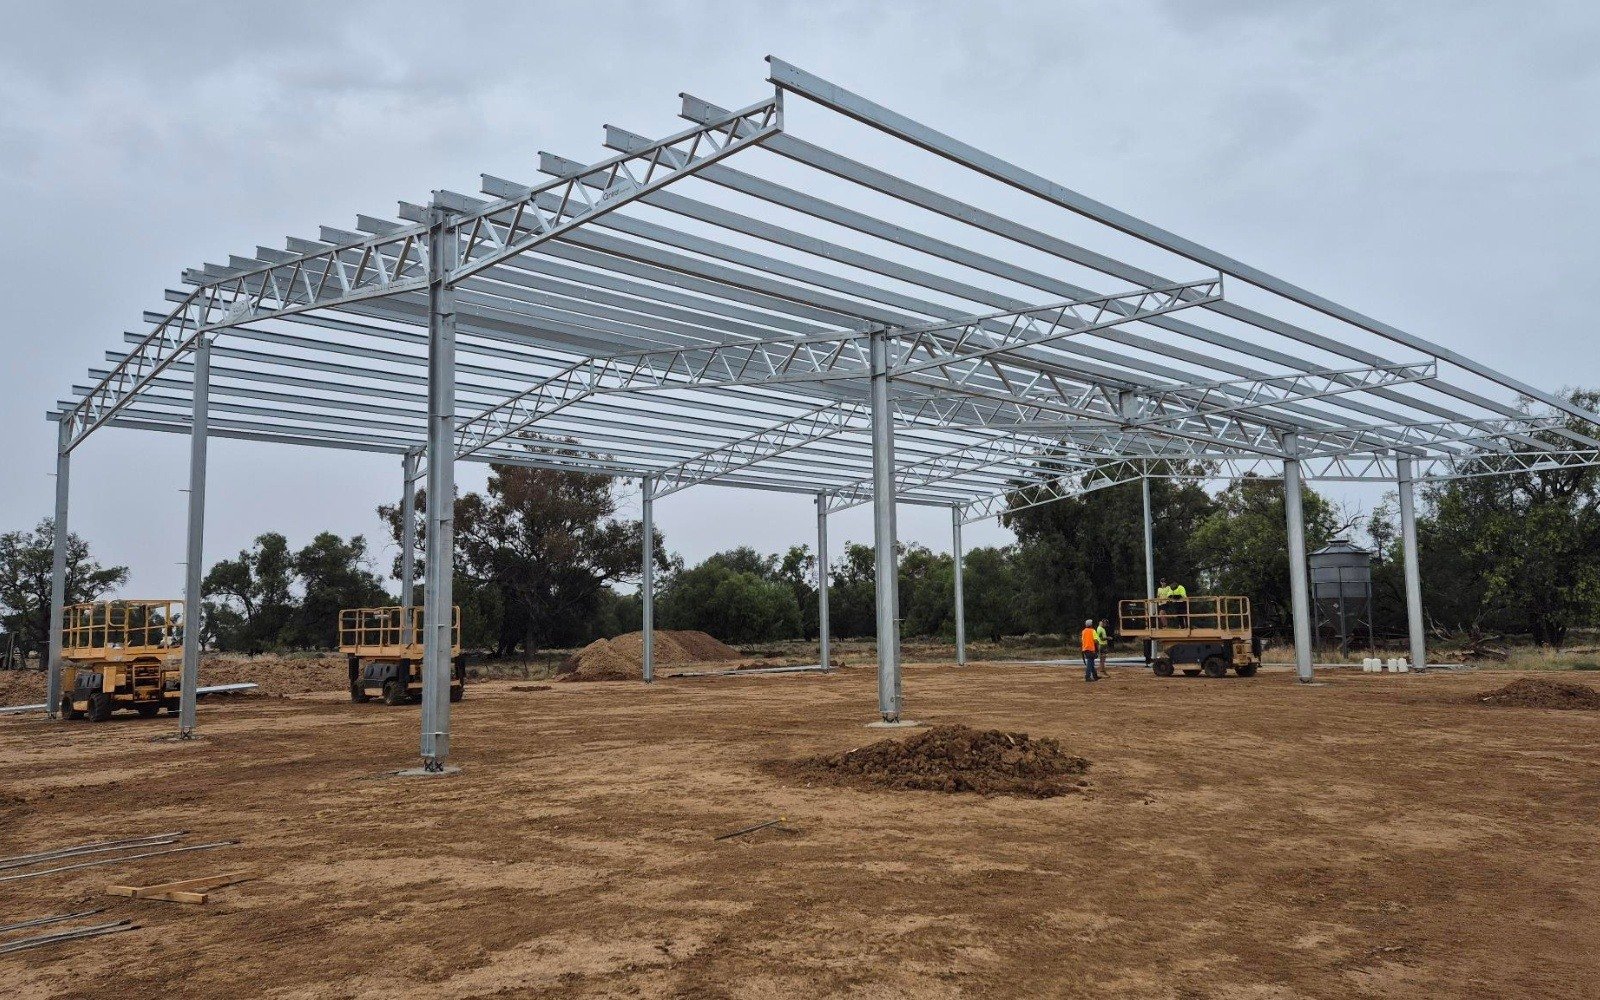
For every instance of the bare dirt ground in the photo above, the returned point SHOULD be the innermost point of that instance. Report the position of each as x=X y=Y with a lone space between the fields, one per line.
x=1374 y=836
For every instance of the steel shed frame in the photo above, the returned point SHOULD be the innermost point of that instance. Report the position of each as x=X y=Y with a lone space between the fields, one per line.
x=734 y=304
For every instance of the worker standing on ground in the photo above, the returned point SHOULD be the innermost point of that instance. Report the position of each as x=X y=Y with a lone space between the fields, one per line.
x=1102 y=641
x=1091 y=646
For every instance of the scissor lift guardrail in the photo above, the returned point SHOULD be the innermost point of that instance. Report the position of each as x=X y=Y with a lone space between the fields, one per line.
x=1214 y=633
x=385 y=657
x=1185 y=618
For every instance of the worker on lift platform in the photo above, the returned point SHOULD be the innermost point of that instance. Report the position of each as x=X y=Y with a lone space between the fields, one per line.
x=1173 y=600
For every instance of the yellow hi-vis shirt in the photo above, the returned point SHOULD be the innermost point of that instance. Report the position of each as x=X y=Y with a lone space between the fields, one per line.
x=1163 y=593
x=1101 y=637
x=1178 y=593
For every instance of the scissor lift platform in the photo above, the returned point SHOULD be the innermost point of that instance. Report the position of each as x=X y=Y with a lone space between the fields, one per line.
x=123 y=654
x=1214 y=634
x=385 y=657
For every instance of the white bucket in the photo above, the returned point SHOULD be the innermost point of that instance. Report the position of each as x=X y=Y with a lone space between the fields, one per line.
x=1371 y=665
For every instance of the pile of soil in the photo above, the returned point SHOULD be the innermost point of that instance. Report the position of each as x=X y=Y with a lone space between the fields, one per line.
x=1536 y=692
x=277 y=675
x=22 y=687
x=622 y=658
x=953 y=758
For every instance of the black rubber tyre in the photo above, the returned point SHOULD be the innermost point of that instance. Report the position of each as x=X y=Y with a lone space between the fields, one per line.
x=1215 y=666
x=1246 y=669
x=173 y=707
x=1162 y=667
x=393 y=692
x=100 y=706
x=1191 y=672
x=147 y=711
x=67 y=711
x=358 y=694
x=457 y=691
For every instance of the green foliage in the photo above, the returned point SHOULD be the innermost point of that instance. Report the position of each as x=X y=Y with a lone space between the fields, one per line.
x=269 y=598
x=1515 y=553
x=250 y=598
x=852 y=594
x=1076 y=558
x=618 y=614
x=1242 y=546
x=737 y=596
x=332 y=575
x=26 y=561
x=537 y=551
x=992 y=584
x=798 y=570
x=927 y=592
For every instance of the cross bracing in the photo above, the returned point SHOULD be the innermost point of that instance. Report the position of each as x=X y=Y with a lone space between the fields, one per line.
x=823 y=297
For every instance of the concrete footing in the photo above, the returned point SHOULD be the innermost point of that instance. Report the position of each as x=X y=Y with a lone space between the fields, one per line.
x=422 y=772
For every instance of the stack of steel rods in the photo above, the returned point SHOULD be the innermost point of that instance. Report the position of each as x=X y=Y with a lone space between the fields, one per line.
x=116 y=860
x=41 y=921
x=100 y=847
x=70 y=934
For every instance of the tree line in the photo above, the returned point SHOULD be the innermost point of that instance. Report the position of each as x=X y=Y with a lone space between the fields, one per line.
x=544 y=560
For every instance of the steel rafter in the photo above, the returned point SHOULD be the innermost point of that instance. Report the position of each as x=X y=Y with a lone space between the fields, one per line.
x=932 y=356
x=396 y=262
x=1164 y=413
x=1347 y=467
x=791 y=78
x=573 y=297
x=797 y=432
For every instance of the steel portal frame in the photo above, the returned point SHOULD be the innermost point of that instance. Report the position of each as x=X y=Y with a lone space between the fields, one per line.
x=734 y=304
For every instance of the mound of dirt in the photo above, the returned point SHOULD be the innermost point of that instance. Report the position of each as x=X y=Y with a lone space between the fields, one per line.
x=1537 y=692
x=22 y=687
x=276 y=675
x=954 y=758
x=622 y=658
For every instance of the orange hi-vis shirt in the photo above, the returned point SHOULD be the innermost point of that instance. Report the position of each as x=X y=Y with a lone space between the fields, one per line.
x=1090 y=640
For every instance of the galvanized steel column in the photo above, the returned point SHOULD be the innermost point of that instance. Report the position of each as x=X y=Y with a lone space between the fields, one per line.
x=886 y=575
x=194 y=559
x=647 y=582
x=1413 y=571
x=823 y=652
x=1299 y=588
x=58 y=568
x=1149 y=543
x=438 y=597
x=408 y=544
x=960 y=596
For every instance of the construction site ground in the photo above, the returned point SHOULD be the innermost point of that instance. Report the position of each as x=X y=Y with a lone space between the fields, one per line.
x=1370 y=836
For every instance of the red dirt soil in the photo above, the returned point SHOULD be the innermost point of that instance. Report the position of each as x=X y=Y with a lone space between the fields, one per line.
x=1369 y=837
x=1541 y=692
x=953 y=758
x=276 y=675
x=622 y=658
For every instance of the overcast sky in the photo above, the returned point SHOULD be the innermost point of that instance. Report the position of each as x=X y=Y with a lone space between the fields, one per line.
x=1431 y=164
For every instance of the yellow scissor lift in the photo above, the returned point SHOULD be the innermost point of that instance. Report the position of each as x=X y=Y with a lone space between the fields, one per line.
x=121 y=654
x=1213 y=633
x=384 y=663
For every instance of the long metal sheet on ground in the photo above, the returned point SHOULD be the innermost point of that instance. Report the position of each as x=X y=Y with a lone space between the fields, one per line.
x=213 y=689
